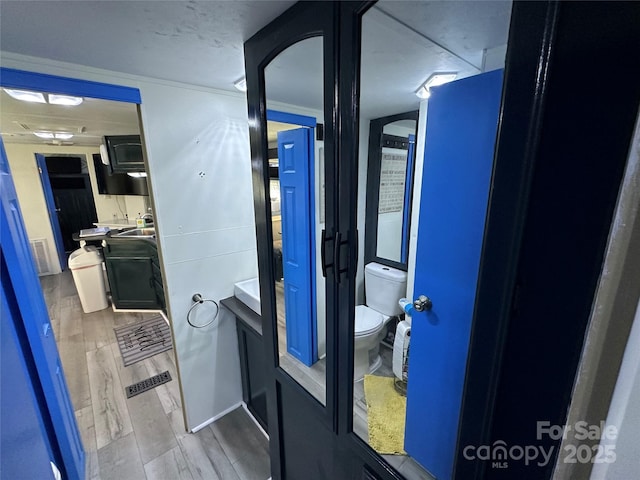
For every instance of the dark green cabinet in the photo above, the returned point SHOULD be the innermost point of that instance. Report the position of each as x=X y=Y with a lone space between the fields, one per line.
x=125 y=153
x=134 y=274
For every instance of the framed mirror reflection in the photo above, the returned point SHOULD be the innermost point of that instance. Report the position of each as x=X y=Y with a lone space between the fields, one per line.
x=295 y=115
x=430 y=95
x=390 y=169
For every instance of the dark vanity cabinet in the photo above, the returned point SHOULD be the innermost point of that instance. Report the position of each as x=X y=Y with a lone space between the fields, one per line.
x=125 y=153
x=252 y=366
x=134 y=274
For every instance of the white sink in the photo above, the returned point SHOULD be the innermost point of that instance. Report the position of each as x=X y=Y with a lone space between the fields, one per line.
x=248 y=292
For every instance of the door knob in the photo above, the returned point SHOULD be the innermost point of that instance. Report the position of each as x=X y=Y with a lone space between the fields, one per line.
x=422 y=303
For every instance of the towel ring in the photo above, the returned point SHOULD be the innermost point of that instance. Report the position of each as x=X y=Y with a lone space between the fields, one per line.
x=198 y=300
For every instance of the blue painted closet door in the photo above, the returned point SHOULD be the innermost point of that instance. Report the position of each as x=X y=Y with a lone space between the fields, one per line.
x=461 y=127
x=37 y=334
x=294 y=165
x=52 y=209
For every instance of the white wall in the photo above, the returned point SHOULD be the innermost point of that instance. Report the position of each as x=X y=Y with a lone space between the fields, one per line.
x=417 y=191
x=200 y=175
x=624 y=415
x=200 y=169
x=31 y=196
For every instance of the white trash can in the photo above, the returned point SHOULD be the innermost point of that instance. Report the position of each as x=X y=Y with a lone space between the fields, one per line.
x=86 y=266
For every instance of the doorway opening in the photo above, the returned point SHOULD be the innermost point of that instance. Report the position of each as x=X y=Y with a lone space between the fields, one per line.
x=301 y=341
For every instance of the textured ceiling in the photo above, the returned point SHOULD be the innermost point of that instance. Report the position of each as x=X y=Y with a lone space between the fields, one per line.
x=195 y=42
x=201 y=43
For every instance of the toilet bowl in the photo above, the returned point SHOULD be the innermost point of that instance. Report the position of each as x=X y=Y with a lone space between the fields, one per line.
x=369 y=332
x=384 y=286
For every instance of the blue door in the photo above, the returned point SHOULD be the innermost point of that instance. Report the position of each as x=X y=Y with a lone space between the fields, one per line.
x=52 y=209
x=461 y=133
x=295 y=149
x=24 y=447
x=35 y=330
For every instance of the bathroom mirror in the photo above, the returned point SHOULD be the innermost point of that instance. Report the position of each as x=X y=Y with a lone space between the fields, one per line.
x=403 y=45
x=392 y=142
x=294 y=101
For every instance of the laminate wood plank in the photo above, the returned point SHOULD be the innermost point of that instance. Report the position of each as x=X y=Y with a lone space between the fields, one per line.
x=412 y=469
x=71 y=319
x=92 y=466
x=360 y=425
x=98 y=330
x=254 y=465
x=120 y=460
x=300 y=374
x=74 y=364
x=110 y=411
x=49 y=284
x=168 y=466
x=121 y=319
x=153 y=430
x=150 y=424
x=86 y=425
x=67 y=286
x=204 y=455
x=238 y=434
x=168 y=393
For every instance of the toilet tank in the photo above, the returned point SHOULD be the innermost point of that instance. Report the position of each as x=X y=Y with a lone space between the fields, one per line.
x=383 y=287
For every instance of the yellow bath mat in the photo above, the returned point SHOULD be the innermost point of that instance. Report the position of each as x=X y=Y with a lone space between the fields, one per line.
x=386 y=411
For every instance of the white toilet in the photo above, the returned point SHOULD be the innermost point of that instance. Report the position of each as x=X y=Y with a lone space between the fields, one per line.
x=383 y=287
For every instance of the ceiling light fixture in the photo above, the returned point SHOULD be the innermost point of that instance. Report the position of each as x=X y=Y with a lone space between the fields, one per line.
x=47 y=135
x=241 y=84
x=67 y=100
x=63 y=136
x=439 y=78
x=26 y=95
x=50 y=135
x=137 y=174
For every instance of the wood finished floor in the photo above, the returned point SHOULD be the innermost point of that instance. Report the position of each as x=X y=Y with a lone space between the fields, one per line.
x=142 y=437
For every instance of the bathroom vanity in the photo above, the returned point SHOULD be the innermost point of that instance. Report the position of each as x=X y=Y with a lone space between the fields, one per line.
x=250 y=344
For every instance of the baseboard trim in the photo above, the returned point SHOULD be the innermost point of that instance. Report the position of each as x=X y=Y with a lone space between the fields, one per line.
x=246 y=409
x=217 y=417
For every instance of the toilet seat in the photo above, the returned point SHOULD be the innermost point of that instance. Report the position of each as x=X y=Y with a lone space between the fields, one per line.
x=367 y=321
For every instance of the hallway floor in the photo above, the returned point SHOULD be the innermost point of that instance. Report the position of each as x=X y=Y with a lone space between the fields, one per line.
x=142 y=437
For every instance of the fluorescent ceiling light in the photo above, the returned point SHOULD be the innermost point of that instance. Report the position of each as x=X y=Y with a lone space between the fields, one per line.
x=423 y=93
x=26 y=95
x=435 y=80
x=50 y=135
x=63 y=136
x=137 y=174
x=241 y=84
x=440 y=79
x=47 y=135
x=64 y=100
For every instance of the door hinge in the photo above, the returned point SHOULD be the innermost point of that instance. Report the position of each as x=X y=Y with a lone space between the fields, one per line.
x=40 y=170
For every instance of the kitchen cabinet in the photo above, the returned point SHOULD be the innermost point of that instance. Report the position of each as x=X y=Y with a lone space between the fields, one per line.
x=134 y=274
x=125 y=153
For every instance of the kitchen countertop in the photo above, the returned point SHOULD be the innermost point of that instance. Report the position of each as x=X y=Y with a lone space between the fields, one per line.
x=116 y=223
